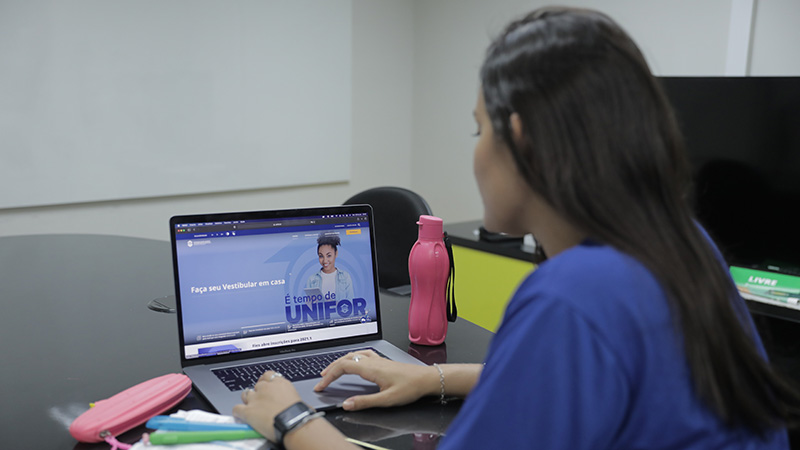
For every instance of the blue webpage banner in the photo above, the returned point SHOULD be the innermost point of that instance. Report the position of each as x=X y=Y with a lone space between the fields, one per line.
x=264 y=281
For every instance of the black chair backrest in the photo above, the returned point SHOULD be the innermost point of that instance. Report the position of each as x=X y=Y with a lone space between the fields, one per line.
x=396 y=211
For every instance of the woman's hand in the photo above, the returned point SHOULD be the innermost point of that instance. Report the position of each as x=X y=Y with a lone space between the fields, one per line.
x=269 y=397
x=399 y=383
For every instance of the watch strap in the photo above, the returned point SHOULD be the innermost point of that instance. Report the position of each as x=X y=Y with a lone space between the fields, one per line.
x=292 y=418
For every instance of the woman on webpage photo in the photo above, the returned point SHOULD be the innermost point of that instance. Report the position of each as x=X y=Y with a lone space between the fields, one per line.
x=333 y=283
x=631 y=334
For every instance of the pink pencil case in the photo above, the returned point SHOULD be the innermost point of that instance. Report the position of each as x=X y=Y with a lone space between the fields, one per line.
x=130 y=408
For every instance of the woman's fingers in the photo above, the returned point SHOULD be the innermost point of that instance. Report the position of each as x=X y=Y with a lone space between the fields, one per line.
x=351 y=356
x=342 y=366
x=399 y=383
x=365 y=401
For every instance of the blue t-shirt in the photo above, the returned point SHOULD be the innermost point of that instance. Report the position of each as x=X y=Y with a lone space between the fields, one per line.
x=587 y=357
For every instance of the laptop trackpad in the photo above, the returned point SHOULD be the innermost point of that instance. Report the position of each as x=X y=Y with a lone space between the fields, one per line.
x=337 y=392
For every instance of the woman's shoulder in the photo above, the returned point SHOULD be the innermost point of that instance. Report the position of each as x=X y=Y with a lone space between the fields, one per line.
x=314 y=278
x=315 y=275
x=606 y=287
x=588 y=266
x=342 y=274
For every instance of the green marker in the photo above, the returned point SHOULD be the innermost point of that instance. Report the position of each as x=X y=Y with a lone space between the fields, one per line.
x=191 y=437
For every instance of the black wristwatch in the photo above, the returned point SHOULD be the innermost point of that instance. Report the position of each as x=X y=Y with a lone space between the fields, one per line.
x=291 y=418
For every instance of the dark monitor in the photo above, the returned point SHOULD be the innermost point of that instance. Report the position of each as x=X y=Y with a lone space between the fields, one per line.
x=743 y=139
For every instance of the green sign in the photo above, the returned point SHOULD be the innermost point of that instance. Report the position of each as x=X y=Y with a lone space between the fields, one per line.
x=767 y=286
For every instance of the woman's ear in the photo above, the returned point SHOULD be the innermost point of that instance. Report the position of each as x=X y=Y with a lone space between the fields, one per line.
x=517 y=131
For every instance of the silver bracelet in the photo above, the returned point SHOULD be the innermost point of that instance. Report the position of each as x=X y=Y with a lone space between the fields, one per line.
x=441 y=381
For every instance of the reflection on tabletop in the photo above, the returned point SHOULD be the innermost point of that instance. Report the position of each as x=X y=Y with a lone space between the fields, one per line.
x=422 y=422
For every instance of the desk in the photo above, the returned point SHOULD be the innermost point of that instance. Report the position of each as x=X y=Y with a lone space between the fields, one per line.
x=75 y=329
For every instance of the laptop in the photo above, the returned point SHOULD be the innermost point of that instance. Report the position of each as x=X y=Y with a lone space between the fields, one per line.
x=252 y=294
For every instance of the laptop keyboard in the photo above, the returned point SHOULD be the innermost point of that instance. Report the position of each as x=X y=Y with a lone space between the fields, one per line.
x=293 y=369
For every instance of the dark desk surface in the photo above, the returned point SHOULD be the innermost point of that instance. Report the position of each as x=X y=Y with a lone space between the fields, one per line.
x=75 y=329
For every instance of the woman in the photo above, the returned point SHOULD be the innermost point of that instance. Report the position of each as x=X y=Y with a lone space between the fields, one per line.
x=330 y=280
x=631 y=335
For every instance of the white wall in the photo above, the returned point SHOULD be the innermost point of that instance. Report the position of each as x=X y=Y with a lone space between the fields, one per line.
x=381 y=135
x=776 y=35
x=415 y=68
x=156 y=98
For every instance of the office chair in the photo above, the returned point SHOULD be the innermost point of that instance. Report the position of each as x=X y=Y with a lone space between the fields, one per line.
x=396 y=211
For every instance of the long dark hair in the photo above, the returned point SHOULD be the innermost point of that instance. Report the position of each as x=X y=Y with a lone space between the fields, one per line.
x=601 y=145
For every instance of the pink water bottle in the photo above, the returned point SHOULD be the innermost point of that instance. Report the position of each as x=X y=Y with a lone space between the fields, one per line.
x=429 y=268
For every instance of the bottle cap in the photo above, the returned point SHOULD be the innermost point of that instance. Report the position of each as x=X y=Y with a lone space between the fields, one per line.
x=430 y=227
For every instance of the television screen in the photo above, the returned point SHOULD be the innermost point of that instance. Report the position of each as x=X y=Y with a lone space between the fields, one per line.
x=743 y=139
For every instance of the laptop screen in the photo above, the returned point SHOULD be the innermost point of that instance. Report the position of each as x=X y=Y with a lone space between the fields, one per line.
x=272 y=280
